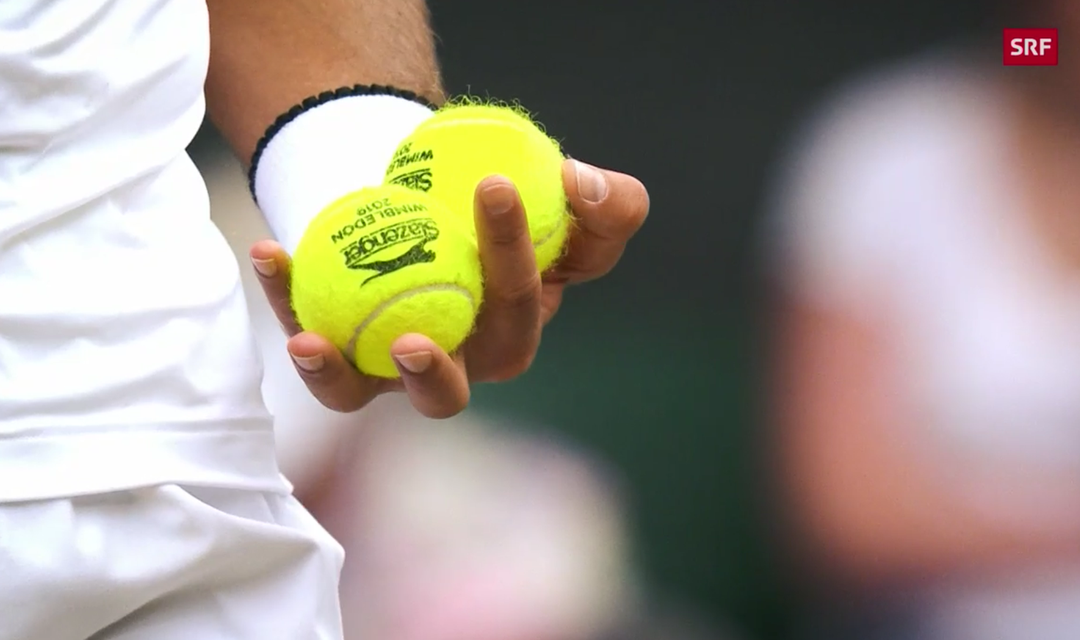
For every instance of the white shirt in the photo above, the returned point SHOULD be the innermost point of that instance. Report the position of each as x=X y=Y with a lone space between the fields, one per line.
x=126 y=355
x=904 y=196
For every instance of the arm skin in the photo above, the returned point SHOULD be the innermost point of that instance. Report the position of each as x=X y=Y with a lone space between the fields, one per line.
x=862 y=503
x=268 y=55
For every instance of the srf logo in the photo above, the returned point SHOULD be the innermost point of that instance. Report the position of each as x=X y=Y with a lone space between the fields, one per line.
x=1030 y=47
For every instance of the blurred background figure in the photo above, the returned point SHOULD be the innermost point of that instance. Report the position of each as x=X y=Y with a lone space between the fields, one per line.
x=460 y=529
x=656 y=371
x=472 y=531
x=927 y=257
x=453 y=529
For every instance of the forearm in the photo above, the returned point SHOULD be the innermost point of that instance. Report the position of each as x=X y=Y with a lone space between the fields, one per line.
x=268 y=55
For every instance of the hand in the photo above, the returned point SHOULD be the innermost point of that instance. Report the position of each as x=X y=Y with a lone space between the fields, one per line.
x=609 y=208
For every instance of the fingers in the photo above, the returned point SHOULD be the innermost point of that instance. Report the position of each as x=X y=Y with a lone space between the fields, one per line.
x=550 y=301
x=609 y=208
x=329 y=376
x=436 y=383
x=508 y=329
x=271 y=263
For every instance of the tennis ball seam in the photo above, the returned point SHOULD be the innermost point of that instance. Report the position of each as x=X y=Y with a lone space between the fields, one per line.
x=350 y=348
x=539 y=242
x=518 y=127
x=548 y=229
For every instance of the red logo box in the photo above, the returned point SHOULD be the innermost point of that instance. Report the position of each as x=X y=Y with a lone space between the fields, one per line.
x=1030 y=47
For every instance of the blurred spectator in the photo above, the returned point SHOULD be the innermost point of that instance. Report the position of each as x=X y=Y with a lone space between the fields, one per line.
x=928 y=337
x=454 y=530
x=460 y=530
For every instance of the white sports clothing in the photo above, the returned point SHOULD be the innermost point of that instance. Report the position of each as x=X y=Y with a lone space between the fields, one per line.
x=126 y=357
x=167 y=563
x=906 y=197
x=139 y=492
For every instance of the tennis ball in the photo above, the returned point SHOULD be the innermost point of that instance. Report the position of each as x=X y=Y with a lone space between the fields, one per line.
x=461 y=144
x=382 y=262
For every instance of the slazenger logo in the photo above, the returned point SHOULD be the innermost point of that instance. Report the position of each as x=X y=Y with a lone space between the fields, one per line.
x=419 y=180
x=371 y=252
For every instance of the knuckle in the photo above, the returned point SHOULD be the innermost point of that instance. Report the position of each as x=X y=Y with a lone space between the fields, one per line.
x=442 y=398
x=280 y=300
x=595 y=264
x=632 y=218
x=338 y=404
x=523 y=294
x=605 y=264
x=508 y=369
x=639 y=211
x=446 y=410
x=334 y=393
x=510 y=234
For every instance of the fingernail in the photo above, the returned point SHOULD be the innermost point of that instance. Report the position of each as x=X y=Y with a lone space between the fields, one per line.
x=267 y=268
x=417 y=362
x=498 y=198
x=311 y=364
x=591 y=184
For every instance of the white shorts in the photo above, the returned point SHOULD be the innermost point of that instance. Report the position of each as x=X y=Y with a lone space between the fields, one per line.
x=167 y=563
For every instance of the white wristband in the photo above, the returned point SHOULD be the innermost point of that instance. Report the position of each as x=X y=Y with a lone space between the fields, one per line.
x=325 y=152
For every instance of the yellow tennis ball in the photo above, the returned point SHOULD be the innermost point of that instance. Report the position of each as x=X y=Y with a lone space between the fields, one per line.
x=382 y=262
x=461 y=144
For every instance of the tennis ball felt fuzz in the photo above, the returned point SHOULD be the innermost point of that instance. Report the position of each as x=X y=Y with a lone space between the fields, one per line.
x=382 y=262
x=450 y=153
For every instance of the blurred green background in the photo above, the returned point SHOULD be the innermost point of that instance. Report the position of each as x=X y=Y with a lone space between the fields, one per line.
x=657 y=368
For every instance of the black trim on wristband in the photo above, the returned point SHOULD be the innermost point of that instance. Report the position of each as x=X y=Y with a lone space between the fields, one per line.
x=311 y=102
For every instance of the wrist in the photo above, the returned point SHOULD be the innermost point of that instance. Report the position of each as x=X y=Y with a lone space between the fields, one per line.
x=325 y=147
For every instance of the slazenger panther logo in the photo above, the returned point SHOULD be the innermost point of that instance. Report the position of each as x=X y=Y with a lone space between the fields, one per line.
x=367 y=252
x=419 y=180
